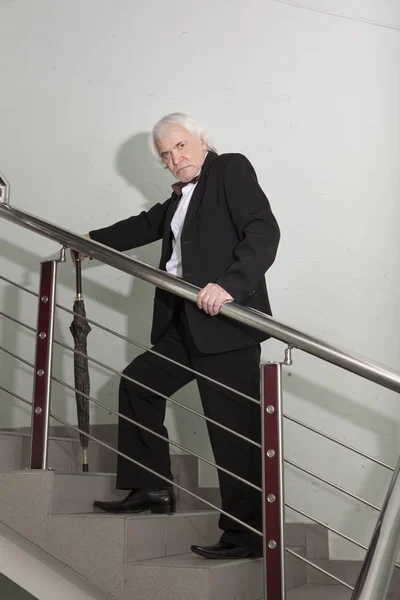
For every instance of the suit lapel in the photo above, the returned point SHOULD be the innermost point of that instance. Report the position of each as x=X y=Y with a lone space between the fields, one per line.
x=166 y=249
x=198 y=193
x=194 y=205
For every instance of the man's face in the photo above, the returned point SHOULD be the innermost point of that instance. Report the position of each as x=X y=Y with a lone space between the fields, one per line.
x=182 y=152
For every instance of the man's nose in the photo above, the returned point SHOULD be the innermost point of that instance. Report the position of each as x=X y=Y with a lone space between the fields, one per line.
x=176 y=158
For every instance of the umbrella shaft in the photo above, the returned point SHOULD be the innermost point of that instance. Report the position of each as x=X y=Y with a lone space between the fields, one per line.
x=78 y=272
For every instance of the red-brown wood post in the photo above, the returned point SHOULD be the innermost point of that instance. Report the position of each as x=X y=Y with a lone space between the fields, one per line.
x=273 y=482
x=43 y=365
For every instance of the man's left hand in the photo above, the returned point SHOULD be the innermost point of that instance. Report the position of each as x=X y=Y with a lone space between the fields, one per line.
x=212 y=297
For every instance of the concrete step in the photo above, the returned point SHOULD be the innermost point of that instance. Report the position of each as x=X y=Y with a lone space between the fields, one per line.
x=319 y=592
x=190 y=576
x=76 y=492
x=65 y=455
x=109 y=549
x=141 y=537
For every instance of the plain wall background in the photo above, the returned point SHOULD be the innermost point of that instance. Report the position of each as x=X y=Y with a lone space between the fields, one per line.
x=310 y=93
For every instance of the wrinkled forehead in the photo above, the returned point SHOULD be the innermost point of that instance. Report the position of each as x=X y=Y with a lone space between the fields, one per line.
x=171 y=136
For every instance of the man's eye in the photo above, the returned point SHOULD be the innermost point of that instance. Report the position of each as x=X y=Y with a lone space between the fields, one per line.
x=182 y=145
x=166 y=154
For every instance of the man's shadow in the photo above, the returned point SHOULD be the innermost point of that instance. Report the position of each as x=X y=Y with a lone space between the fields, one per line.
x=135 y=163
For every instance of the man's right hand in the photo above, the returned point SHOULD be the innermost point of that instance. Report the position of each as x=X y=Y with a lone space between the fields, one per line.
x=79 y=255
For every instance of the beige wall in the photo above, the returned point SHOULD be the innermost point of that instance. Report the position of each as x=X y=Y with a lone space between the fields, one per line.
x=310 y=93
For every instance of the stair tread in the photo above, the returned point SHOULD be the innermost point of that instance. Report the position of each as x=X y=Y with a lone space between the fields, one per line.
x=143 y=515
x=193 y=561
x=317 y=592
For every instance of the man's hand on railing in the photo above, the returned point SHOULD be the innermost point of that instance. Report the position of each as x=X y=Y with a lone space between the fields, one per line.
x=79 y=255
x=212 y=297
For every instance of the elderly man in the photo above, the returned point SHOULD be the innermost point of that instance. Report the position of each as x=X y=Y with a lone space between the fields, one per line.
x=218 y=232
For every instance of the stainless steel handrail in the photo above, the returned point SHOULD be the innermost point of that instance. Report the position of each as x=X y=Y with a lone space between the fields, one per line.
x=4 y=190
x=359 y=365
x=356 y=364
x=135 y=462
x=377 y=570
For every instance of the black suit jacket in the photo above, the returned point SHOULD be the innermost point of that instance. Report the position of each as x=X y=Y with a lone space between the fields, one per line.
x=230 y=237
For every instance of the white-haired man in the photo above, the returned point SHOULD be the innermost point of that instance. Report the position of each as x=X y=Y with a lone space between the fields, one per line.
x=218 y=232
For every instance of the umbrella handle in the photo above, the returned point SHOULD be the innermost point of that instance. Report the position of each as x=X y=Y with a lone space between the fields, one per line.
x=78 y=273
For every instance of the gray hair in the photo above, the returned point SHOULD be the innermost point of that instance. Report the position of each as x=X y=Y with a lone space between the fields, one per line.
x=185 y=121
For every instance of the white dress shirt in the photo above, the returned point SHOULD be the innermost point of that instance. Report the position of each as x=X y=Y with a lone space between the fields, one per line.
x=174 y=265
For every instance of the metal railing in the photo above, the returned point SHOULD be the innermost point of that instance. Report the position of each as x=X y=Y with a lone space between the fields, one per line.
x=356 y=364
x=144 y=347
x=383 y=548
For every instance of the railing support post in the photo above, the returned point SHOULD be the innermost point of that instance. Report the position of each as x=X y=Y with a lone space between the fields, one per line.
x=43 y=365
x=273 y=482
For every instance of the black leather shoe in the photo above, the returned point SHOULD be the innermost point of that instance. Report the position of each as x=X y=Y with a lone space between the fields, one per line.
x=159 y=501
x=223 y=550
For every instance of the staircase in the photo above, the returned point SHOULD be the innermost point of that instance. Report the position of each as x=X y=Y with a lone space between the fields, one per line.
x=145 y=557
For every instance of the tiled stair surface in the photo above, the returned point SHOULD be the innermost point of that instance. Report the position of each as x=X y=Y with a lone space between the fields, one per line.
x=146 y=556
x=127 y=556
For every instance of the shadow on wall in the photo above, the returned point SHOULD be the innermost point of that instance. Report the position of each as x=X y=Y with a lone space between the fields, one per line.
x=134 y=162
x=139 y=168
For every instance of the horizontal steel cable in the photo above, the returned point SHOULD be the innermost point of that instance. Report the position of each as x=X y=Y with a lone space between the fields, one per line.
x=3 y=314
x=17 y=357
x=174 y=362
x=139 y=345
x=295 y=465
x=329 y=528
x=142 y=385
x=115 y=412
x=304 y=514
x=209 y=462
x=153 y=391
x=18 y=285
x=308 y=562
x=80 y=431
x=332 y=439
x=144 y=347
x=289 y=462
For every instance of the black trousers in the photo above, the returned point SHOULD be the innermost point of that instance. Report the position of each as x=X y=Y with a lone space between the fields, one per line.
x=238 y=369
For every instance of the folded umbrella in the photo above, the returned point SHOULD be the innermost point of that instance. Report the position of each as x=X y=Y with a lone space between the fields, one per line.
x=80 y=329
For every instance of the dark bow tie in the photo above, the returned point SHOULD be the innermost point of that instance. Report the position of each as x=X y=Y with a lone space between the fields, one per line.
x=177 y=187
